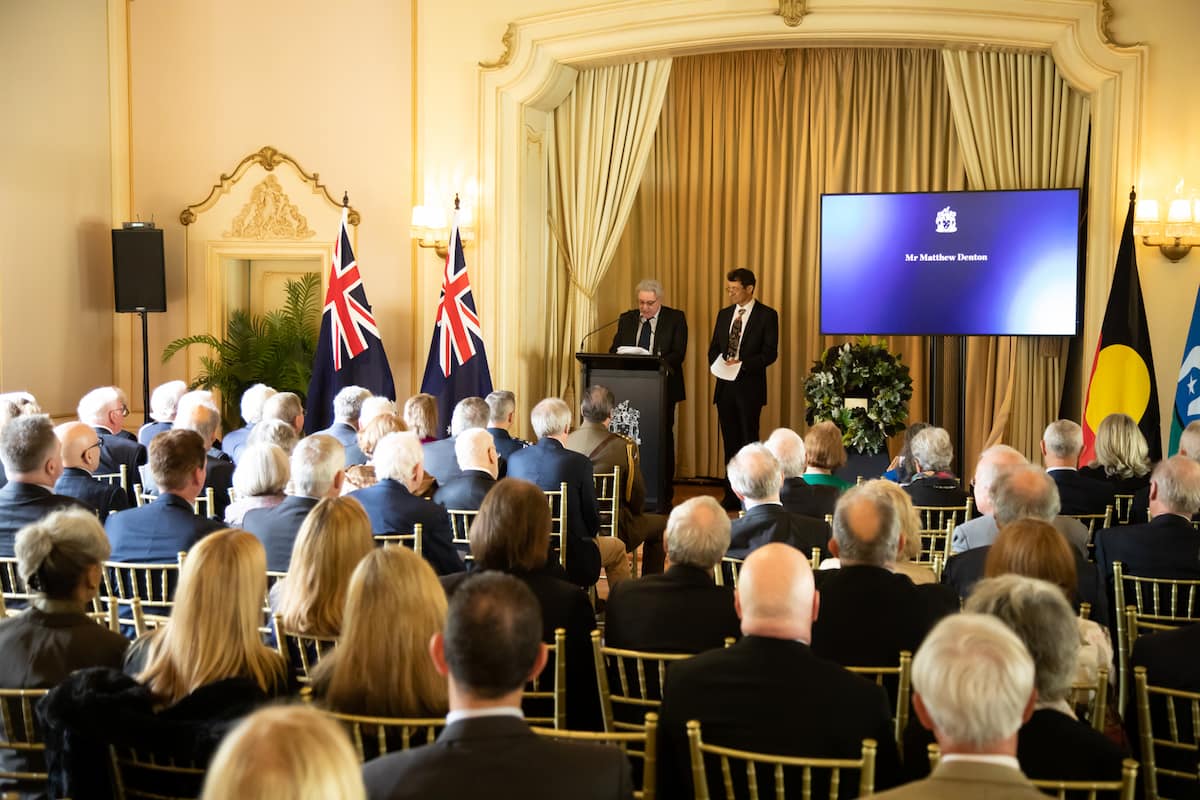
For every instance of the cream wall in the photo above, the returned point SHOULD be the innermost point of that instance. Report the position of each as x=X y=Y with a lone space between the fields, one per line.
x=55 y=282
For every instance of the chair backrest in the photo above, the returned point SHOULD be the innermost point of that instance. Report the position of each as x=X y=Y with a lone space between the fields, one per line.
x=16 y=594
x=548 y=691
x=1122 y=508
x=557 y=498
x=151 y=585
x=1093 y=523
x=937 y=517
x=935 y=542
x=22 y=736
x=410 y=540
x=141 y=496
x=1091 y=790
x=1168 y=725
x=460 y=529
x=903 y=677
x=375 y=736
x=118 y=478
x=141 y=773
x=206 y=504
x=609 y=491
x=1090 y=699
x=630 y=682
x=727 y=571
x=640 y=745
x=758 y=764
x=233 y=494
x=300 y=651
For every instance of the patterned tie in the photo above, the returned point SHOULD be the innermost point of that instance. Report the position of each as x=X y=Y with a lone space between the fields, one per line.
x=644 y=335
x=735 y=336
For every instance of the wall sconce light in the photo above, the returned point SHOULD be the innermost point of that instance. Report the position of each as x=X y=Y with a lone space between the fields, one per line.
x=1182 y=223
x=431 y=226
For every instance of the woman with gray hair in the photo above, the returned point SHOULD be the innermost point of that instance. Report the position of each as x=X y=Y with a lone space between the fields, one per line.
x=1052 y=744
x=934 y=484
x=259 y=481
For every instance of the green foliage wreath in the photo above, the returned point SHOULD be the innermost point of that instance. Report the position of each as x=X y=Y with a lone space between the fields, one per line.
x=862 y=369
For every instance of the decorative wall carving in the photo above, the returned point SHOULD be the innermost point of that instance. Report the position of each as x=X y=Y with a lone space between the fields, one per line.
x=792 y=11
x=506 y=56
x=1106 y=16
x=269 y=214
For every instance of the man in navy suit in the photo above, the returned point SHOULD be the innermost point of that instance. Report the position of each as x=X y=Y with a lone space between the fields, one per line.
x=479 y=462
x=393 y=506
x=163 y=403
x=105 y=409
x=81 y=457
x=253 y=400
x=440 y=460
x=347 y=405
x=318 y=468
x=158 y=532
x=502 y=405
x=1062 y=442
x=745 y=337
x=32 y=460
x=756 y=477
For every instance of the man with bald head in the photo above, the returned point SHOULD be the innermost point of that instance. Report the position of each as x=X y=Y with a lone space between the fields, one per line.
x=81 y=458
x=755 y=477
x=479 y=463
x=204 y=419
x=769 y=693
x=796 y=494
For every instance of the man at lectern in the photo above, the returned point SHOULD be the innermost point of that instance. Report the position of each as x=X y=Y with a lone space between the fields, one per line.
x=660 y=330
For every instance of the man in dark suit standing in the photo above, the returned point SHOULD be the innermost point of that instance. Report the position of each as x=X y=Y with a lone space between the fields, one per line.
x=502 y=405
x=1062 y=442
x=32 y=460
x=491 y=646
x=346 y=407
x=769 y=693
x=105 y=410
x=663 y=331
x=81 y=457
x=479 y=462
x=745 y=342
x=755 y=476
x=440 y=459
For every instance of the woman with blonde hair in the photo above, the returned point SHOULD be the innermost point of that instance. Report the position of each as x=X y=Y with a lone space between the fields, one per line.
x=285 y=753
x=334 y=537
x=381 y=665
x=910 y=533
x=360 y=476
x=1122 y=455
x=421 y=416
x=259 y=479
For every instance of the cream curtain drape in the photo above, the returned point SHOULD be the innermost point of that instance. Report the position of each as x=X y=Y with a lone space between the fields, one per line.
x=600 y=139
x=747 y=143
x=1020 y=126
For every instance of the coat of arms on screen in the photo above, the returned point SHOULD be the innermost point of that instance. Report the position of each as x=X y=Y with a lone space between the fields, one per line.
x=627 y=421
x=947 y=221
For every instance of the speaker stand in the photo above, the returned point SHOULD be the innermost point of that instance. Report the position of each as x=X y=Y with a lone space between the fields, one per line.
x=141 y=310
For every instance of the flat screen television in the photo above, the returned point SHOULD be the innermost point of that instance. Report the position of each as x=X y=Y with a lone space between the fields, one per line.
x=995 y=263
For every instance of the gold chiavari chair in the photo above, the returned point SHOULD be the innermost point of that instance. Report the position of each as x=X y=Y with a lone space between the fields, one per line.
x=1090 y=699
x=548 y=691
x=1122 y=508
x=118 y=478
x=1093 y=523
x=460 y=530
x=727 y=570
x=22 y=737
x=903 y=676
x=935 y=546
x=139 y=773
x=375 y=736
x=205 y=505
x=630 y=682
x=15 y=594
x=1091 y=790
x=146 y=589
x=557 y=498
x=609 y=491
x=1168 y=725
x=758 y=764
x=640 y=745
x=300 y=651
x=141 y=497
x=410 y=540
x=937 y=517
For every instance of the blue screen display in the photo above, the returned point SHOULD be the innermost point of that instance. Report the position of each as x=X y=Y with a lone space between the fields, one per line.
x=950 y=263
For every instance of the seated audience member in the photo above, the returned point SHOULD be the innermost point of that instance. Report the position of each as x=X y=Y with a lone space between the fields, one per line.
x=259 y=480
x=80 y=458
x=360 y=476
x=1189 y=446
x=285 y=753
x=981 y=530
x=163 y=402
x=347 y=405
x=158 y=532
x=825 y=453
x=502 y=407
x=490 y=649
x=549 y=464
x=769 y=693
x=335 y=536
x=869 y=613
x=105 y=409
x=755 y=477
x=973 y=686
x=607 y=450
x=276 y=432
x=512 y=534
x=60 y=559
x=440 y=460
x=9 y=410
x=33 y=462
x=1052 y=744
x=1122 y=455
x=478 y=463
x=681 y=610
x=910 y=536
x=205 y=420
x=903 y=467
x=393 y=506
x=796 y=494
x=384 y=670
x=285 y=407
x=374 y=407
x=933 y=484
x=253 y=400
x=1062 y=443
x=421 y=417
x=317 y=470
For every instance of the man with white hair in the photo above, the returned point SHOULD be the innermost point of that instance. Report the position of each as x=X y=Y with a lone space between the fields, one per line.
x=682 y=610
x=163 y=402
x=769 y=693
x=755 y=477
x=347 y=405
x=318 y=467
x=973 y=686
x=933 y=484
x=480 y=464
x=502 y=407
x=375 y=406
x=549 y=464
x=80 y=458
x=1062 y=442
x=796 y=494
x=286 y=407
x=105 y=409
x=982 y=530
x=440 y=459
x=33 y=462
x=394 y=507
x=253 y=400
x=205 y=419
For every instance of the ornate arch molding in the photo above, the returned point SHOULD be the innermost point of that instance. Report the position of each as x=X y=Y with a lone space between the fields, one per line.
x=542 y=55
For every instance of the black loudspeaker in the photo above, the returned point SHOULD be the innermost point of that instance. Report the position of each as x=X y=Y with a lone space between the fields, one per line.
x=139 y=279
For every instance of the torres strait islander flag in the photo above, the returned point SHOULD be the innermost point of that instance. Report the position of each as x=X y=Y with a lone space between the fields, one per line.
x=1122 y=379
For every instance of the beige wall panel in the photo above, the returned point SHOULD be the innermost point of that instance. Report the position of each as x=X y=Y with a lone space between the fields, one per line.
x=55 y=203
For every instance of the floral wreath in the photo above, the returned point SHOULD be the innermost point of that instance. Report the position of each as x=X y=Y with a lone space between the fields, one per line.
x=860 y=370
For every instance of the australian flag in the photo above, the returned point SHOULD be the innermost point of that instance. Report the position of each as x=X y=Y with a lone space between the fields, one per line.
x=349 y=350
x=457 y=365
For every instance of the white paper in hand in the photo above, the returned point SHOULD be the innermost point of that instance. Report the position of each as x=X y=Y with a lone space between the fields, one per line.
x=632 y=350
x=724 y=371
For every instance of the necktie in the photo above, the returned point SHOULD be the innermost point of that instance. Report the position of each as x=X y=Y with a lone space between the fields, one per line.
x=735 y=336
x=644 y=335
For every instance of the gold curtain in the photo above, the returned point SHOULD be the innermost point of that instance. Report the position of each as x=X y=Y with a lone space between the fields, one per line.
x=747 y=143
x=1020 y=126
x=600 y=139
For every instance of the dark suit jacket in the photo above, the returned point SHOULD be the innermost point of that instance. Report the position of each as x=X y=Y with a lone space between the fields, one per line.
x=774 y=696
x=506 y=443
x=800 y=497
x=500 y=758
x=1053 y=746
x=116 y=450
x=1165 y=547
x=441 y=461
x=680 y=611
x=218 y=476
x=100 y=495
x=670 y=342
x=158 y=532
x=466 y=492
x=1080 y=494
x=23 y=503
x=1119 y=485
x=548 y=464
x=938 y=491
x=277 y=527
x=759 y=349
x=150 y=430
x=393 y=509
x=771 y=523
x=869 y=614
x=347 y=434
